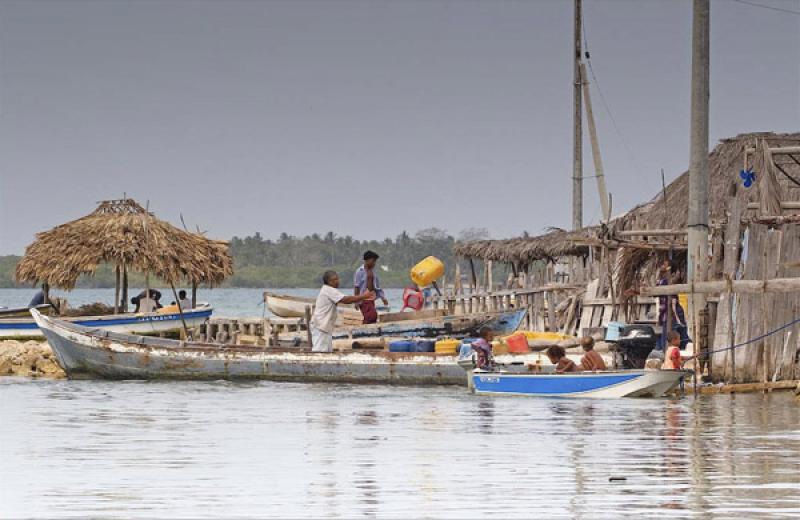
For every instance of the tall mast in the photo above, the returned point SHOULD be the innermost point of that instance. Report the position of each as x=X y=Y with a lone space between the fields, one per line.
x=577 y=143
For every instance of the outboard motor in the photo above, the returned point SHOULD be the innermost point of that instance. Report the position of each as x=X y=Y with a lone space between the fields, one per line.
x=634 y=344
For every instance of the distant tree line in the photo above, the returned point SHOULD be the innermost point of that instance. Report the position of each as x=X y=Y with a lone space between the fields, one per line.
x=290 y=261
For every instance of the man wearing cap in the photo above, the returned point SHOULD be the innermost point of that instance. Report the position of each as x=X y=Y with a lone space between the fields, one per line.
x=366 y=279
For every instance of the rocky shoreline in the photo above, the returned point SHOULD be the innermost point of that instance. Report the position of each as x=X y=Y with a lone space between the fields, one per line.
x=28 y=359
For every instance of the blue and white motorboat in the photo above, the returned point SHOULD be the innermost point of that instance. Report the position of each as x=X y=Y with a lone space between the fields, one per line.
x=602 y=384
x=141 y=323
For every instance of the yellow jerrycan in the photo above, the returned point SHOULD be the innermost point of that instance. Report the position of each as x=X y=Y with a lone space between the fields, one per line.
x=427 y=271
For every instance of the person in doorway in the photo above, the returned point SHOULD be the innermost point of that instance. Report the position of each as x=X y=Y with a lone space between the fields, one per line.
x=672 y=357
x=667 y=274
x=183 y=302
x=591 y=360
x=558 y=356
x=323 y=320
x=483 y=348
x=366 y=279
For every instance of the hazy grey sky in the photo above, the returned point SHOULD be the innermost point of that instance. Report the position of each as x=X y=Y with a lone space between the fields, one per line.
x=361 y=117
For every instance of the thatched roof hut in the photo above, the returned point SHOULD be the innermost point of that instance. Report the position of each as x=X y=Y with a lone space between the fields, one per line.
x=123 y=233
x=524 y=251
x=725 y=163
x=725 y=184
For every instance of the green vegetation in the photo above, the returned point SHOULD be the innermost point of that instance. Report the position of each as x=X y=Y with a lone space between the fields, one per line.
x=299 y=262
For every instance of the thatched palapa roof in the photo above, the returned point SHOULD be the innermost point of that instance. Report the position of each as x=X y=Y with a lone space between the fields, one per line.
x=725 y=163
x=122 y=232
x=526 y=250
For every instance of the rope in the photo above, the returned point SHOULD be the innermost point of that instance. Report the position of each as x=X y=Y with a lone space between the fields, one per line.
x=752 y=340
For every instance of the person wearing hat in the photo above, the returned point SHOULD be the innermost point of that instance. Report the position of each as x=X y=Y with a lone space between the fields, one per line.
x=366 y=279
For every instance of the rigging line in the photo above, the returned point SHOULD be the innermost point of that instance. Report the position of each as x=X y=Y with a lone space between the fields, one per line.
x=763 y=6
x=631 y=155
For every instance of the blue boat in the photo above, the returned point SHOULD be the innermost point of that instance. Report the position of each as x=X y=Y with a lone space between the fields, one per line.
x=143 y=323
x=602 y=384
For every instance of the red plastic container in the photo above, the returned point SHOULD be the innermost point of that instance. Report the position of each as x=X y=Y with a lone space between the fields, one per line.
x=517 y=343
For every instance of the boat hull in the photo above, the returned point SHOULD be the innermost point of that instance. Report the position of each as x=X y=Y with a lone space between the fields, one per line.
x=88 y=353
x=150 y=323
x=607 y=384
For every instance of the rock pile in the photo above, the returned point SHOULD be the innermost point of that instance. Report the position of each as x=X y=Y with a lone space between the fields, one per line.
x=29 y=358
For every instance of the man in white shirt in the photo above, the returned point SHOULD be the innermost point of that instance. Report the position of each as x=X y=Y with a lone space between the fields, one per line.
x=184 y=302
x=324 y=319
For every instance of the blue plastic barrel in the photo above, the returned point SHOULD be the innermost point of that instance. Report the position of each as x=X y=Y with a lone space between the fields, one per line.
x=424 y=345
x=401 y=346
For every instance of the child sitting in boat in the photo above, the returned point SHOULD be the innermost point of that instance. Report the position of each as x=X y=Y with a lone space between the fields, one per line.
x=483 y=347
x=558 y=357
x=591 y=360
x=672 y=357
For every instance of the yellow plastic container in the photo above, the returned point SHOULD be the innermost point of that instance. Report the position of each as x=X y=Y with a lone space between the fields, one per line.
x=447 y=346
x=539 y=335
x=499 y=348
x=427 y=271
x=683 y=299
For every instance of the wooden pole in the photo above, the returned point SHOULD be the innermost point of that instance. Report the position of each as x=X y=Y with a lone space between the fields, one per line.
x=124 y=288
x=116 y=289
x=598 y=161
x=194 y=294
x=180 y=311
x=577 y=136
x=308 y=326
x=698 y=165
x=474 y=276
x=46 y=292
x=731 y=327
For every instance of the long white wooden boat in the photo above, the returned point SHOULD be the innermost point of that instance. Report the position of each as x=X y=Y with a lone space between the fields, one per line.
x=287 y=306
x=604 y=384
x=94 y=353
x=143 y=323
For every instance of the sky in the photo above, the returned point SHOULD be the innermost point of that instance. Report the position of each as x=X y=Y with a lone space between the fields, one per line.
x=365 y=118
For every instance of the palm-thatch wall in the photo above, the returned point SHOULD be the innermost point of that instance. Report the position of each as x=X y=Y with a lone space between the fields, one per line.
x=123 y=233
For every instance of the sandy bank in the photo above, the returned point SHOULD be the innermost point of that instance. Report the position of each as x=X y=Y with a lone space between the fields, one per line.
x=28 y=358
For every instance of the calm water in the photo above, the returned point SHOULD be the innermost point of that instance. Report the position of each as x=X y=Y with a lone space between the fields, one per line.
x=135 y=449
x=227 y=302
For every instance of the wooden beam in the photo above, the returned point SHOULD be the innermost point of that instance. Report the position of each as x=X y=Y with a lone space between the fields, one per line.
x=598 y=161
x=775 y=285
x=785 y=150
x=786 y=204
x=651 y=232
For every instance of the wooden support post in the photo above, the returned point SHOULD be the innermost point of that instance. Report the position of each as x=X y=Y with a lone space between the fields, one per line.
x=124 y=287
x=117 y=280
x=474 y=276
x=489 y=280
x=194 y=294
x=308 y=326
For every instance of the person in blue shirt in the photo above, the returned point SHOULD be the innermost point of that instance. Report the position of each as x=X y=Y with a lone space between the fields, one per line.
x=366 y=279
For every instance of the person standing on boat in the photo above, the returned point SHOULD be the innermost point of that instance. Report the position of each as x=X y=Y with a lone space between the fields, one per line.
x=366 y=279
x=323 y=320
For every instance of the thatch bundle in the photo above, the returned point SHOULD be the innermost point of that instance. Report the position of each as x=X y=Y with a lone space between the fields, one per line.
x=123 y=233
x=526 y=250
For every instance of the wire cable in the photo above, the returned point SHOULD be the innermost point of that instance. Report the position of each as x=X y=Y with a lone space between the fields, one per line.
x=763 y=6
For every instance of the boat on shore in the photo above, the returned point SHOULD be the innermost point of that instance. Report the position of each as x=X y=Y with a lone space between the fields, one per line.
x=95 y=353
x=430 y=323
x=288 y=306
x=608 y=384
x=142 y=323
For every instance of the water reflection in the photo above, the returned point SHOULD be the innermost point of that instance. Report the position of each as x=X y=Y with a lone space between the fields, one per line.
x=288 y=450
